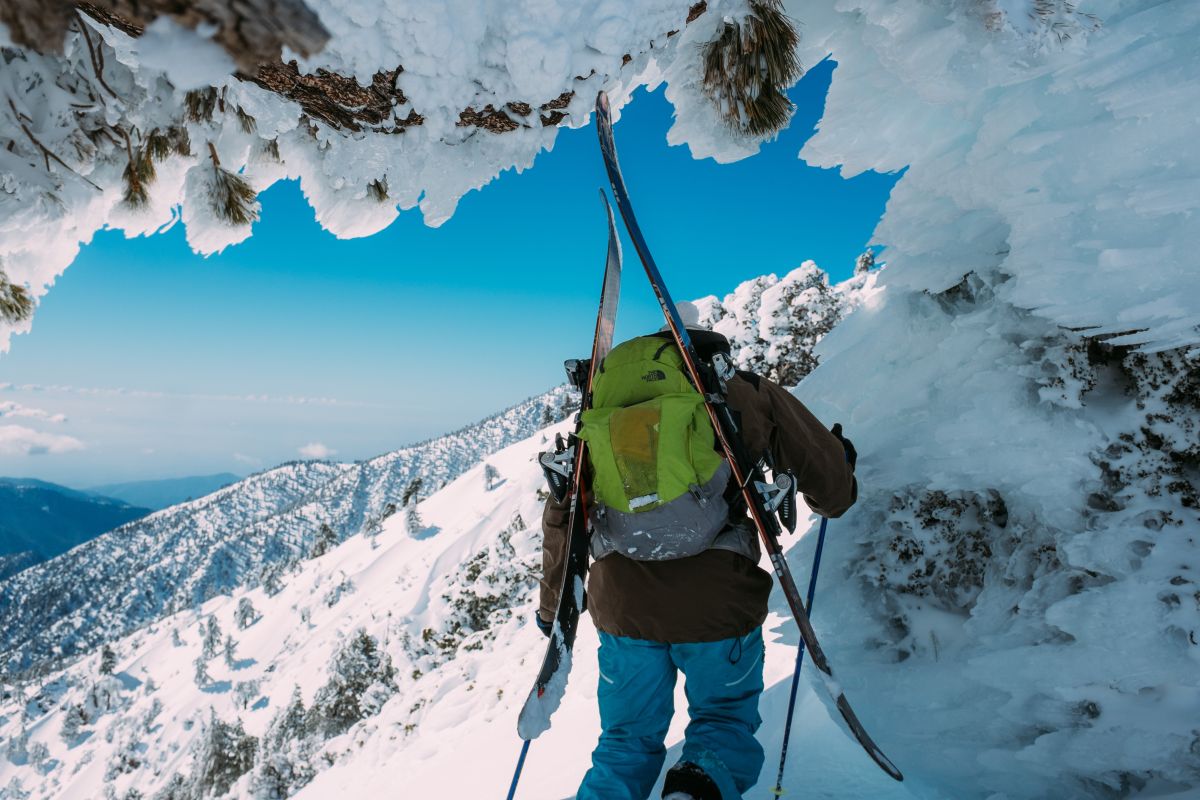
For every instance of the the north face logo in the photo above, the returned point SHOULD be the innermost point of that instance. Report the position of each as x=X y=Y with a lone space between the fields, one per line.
x=654 y=375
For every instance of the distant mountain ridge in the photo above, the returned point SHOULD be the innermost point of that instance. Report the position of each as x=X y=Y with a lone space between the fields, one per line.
x=181 y=556
x=165 y=492
x=41 y=520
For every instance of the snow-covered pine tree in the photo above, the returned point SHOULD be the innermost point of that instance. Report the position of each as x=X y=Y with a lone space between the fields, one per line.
x=864 y=263
x=284 y=762
x=740 y=323
x=245 y=615
x=17 y=749
x=223 y=754
x=108 y=660
x=361 y=678
x=490 y=476
x=326 y=540
x=74 y=721
x=412 y=491
x=200 y=674
x=210 y=638
x=230 y=650
x=412 y=520
x=794 y=314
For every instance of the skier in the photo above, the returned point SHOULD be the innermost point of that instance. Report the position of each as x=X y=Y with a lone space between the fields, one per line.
x=675 y=586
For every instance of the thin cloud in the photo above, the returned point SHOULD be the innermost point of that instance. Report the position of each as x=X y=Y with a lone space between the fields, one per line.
x=316 y=450
x=242 y=458
x=121 y=391
x=8 y=408
x=17 y=440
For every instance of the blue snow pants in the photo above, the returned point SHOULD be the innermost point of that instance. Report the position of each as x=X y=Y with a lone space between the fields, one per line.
x=723 y=682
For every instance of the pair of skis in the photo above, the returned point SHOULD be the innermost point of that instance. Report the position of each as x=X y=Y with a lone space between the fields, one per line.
x=548 y=689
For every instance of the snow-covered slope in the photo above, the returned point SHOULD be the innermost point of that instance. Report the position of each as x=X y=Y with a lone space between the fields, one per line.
x=1010 y=620
x=450 y=607
x=251 y=531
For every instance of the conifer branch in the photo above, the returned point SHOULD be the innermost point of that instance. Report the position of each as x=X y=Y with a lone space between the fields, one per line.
x=15 y=303
x=233 y=199
x=748 y=68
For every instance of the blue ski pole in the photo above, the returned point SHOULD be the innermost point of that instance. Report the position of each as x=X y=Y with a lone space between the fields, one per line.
x=787 y=729
x=512 y=790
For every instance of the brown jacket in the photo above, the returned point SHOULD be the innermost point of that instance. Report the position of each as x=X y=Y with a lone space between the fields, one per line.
x=717 y=594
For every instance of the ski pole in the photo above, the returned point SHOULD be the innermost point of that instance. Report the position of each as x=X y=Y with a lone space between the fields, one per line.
x=787 y=728
x=512 y=790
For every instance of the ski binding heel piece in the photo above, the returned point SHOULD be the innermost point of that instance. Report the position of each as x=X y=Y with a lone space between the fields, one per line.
x=780 y=497
x=577 y=371
x=558 y=468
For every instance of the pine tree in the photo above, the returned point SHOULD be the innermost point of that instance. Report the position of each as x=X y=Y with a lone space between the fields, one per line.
x=230 y=650
x=864 y=263
x=223 y=754
x=796 y=313
x=741 y=323
x=201 y=676
x=245 y=615
x=490 y=477
x=361 y=678
x=412 y=492
x=285 y=760
x=211 y=638
x=413 y=521
x=326 y=541
x=74 y=721
x=108 y=660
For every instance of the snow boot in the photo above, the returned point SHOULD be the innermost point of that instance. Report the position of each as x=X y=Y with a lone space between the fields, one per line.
x=688 y=781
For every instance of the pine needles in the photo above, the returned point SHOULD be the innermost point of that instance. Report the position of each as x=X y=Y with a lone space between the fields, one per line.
x=377 y=190
x=748 y=67
x=247 y=122
x=15 y=303
x=199 y=105
x=233 y=199
x=139 y=174
x=139 y=170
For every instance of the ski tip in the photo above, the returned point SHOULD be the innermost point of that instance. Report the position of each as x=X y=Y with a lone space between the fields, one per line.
x=885 y=763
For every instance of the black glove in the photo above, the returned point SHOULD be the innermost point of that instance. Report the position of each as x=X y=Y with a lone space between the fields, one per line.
x=543 y=626
x=851 y=453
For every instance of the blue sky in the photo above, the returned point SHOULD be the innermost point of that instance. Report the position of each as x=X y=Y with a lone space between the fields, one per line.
x=165 y=363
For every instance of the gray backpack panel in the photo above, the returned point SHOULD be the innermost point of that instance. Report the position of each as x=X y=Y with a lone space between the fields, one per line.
x=688 y=525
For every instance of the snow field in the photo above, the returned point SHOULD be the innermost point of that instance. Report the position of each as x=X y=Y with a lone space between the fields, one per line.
x=456 y=719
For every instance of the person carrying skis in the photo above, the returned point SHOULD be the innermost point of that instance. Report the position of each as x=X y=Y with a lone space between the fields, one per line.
x=675 y=584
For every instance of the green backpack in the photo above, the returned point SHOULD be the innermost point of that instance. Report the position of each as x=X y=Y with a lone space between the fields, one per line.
x=657 y=481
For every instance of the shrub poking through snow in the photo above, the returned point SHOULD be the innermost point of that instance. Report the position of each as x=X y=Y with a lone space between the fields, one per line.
x=476 y=599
